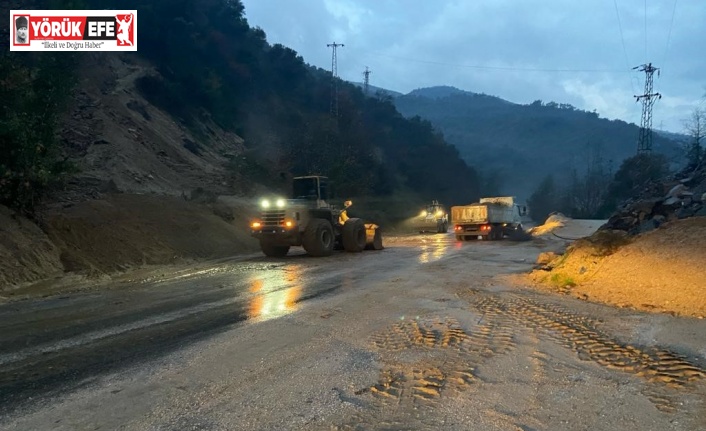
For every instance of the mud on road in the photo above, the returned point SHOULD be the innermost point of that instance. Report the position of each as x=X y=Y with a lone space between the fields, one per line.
x=422 y=335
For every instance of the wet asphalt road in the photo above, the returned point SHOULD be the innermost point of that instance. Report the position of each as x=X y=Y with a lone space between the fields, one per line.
x=422 y=335
x=51 y=346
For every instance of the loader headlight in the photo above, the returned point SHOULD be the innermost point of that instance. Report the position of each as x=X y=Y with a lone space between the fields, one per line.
x=281 y=203
x=439 y=213
x=265 y=203
x=423 y=213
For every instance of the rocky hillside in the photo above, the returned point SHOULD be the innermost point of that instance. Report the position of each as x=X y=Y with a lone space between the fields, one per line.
x=145 y=191
x=649 y=255
x=123 y=143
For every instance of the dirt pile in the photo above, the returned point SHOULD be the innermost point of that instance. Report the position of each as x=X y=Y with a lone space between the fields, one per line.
x=26 y=253
x=100 y=238
x=649 y=255
x=662 y=270
x=149 y=190
x=553 y=222
x=124 y=231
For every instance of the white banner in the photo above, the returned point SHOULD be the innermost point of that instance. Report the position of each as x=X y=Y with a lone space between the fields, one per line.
x=73 y=30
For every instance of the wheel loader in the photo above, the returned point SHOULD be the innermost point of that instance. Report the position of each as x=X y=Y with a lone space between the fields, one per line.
x=433 y=218
x=306 y=219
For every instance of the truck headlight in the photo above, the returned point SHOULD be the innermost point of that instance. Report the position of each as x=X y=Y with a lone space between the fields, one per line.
x=281 y=203
x=265 y=203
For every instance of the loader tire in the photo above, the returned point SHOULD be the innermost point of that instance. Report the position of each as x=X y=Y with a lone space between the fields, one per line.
x=318 y=238
x=272 y=250
x=377 y=241
x=353 y=235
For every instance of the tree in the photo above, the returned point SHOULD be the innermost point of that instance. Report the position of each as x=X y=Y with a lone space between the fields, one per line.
x=695 y=127
x=544 y=200
x=636 y=172
x=588 y=194
x=34 y=91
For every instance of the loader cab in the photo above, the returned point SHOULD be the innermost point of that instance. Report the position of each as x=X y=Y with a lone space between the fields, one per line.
x=435 y=210
x=314 y=189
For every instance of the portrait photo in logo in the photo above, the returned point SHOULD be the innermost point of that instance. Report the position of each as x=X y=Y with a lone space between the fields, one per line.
x=21 y=30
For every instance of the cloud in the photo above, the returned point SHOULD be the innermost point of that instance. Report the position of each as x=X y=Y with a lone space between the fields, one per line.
x=605 y=98
x=569 y=52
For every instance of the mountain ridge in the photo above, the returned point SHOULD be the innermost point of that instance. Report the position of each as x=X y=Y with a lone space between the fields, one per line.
x=502 y=139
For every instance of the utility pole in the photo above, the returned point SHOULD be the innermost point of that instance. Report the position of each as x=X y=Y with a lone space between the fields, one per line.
x=366 y=80
x=334 y=79
x=644 y=142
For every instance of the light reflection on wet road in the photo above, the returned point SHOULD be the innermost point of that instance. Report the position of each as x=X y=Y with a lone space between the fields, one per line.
x=48 y=346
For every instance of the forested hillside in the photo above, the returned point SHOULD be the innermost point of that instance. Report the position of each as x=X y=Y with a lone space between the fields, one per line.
x=516 y=146
x=212 y=61
x=213 y=68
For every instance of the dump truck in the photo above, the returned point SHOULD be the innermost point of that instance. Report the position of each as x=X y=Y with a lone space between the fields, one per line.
x=306 y=219
x=491 y=218
x=433 y=218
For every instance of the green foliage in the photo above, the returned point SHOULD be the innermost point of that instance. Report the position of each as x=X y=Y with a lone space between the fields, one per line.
x=544 y=200
x=34 y=92
x=636 y=172
x=595 y=194
x=695 y=155
x=695 y=127
x=524 y=142
x=562 y=280
x=211 y=60
x=586 y=194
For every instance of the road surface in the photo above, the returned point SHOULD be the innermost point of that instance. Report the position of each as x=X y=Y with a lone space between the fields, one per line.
x=423 y=335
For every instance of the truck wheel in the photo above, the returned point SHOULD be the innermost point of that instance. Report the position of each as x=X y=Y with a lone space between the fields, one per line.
x=318 y=238
x=377 y=241
x=272 y=250
x=445 y=227
x=353 y=235
x=493 y=235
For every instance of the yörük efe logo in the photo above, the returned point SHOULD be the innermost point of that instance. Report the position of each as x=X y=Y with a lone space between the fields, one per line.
x=73 y=30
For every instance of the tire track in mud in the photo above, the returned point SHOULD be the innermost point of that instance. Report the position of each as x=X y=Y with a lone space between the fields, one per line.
x=437 y=359
x=666 y=371
x=430 y=359
x=425 y=360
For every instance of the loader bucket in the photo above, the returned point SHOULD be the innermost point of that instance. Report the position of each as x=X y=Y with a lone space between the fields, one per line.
x=373 y=237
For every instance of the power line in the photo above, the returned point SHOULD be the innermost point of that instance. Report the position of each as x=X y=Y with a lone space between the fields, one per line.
x=519 y=69
x=622 y=41
x=645 y=30
x=669 y=34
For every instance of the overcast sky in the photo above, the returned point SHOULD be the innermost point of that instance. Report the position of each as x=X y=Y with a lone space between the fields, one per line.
x=569 y=51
